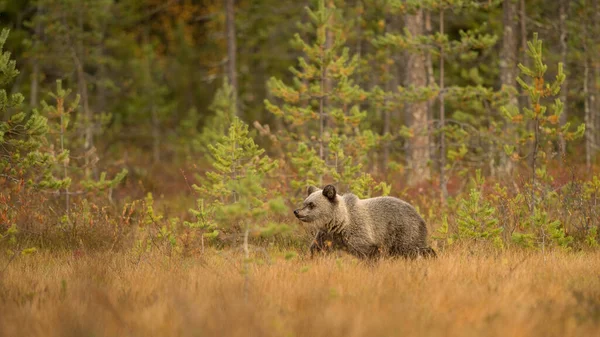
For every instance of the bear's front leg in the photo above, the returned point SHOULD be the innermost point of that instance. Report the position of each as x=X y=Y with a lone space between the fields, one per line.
x=325 y=242
x=318 y=244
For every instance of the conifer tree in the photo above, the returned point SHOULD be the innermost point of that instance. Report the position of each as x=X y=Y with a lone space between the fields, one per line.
x=58 y=143
x=149 y=100
x=224 y=108
x=322 y=107
x=22 y=135
x=190 y=141
x=471 y=45
x=545 y=123
x=546 y=131
x=233 y=193
x=73 y=43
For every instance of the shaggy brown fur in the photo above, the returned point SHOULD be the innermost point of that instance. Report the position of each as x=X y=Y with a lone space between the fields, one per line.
x=366 y=228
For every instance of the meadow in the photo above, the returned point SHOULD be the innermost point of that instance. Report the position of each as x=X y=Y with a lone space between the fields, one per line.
x=464 y=292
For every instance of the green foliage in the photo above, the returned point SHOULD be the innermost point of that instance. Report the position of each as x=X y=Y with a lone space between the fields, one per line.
x=524 y=240
x=308 y=165
x=155 y=234
x=477 y=218
x=150 y=84
x=59 y=140
x=323 y=92
x=467 y=97
x=365 y=185
x=9 y=237
x=234 y=189
x=548 y=232
x=204 y=220
x=545 y=121
x=592 y=237
x=223 y=107
x=22 y=135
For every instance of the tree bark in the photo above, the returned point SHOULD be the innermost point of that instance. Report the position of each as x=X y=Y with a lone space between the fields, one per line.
x=594 y=122
x=88 y=124
x=562 y=23
x=155 y=133
x=524 y=57
x=430 y=82
x=589 y=97
x=443 y=182
x=35 y=66
x=328 y=45
x=416 y=74
x=508 y=66
x=387 y=114
x=231 y=47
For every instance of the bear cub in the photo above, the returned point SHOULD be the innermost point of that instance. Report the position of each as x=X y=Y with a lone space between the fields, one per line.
x=366 y=228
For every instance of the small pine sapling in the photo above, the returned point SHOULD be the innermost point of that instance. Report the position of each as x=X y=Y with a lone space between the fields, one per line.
x=544 y=117
x=22 y=135
x=233 y=193
x=546 y=127
x=156 y=232
x=321 y=108
x=58 y=141
x=476 y=218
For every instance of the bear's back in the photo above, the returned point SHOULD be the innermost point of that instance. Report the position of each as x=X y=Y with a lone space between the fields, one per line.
x=388 y=220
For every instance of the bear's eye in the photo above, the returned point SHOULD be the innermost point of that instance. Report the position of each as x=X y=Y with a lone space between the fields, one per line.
x=311 y=205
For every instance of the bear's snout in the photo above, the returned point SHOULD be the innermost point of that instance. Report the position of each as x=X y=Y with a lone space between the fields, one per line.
x=296 y=212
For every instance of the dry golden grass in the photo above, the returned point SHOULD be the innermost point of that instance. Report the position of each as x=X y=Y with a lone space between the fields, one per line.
x=459 y=294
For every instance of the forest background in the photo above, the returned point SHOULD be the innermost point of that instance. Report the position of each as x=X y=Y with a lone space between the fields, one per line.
x=177 y=125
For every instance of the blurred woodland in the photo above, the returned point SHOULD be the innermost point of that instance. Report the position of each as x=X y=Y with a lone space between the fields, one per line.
x=172 y=125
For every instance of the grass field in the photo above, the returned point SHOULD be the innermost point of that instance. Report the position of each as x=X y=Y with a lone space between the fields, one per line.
x=459 y=294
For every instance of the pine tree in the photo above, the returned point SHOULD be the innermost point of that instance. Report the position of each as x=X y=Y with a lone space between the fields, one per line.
x=22 y=135
x=324 y=97
x=233 y=193
x=452 y=132
x=192 y=143
x=477 y=218
x=149 y=99
x=73 y=43
x=546 y=131
x=224 y=108
x=58 y=143
x=545 y=123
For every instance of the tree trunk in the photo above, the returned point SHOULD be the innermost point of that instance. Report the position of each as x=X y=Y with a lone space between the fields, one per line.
x=88 y=123
x=563 y=14
x=387 y=114
x=386 y=128
x=508 y=67
x=328 y=45
x=88 y=132
x=231 y=48
x=443 y=182
x=416 y=74
x=594 y=121
x=430 y=82
x=322 y=107
x=35 y=66
x=589 y=97
x=524 y=57
x=155 y=134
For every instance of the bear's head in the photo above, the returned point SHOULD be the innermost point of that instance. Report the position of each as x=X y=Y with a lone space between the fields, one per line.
x=319 y=207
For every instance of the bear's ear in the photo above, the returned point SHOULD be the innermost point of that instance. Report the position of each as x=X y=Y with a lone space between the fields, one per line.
x=311 y=189
x=329 y=192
